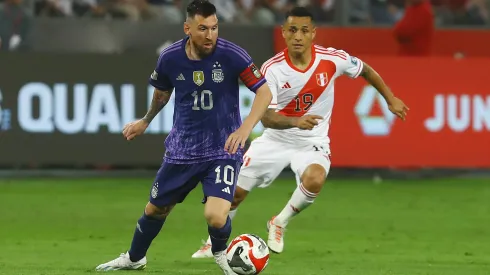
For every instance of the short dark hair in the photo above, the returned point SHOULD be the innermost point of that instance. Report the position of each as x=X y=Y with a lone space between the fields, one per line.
x=200 y=7
x=299 y=12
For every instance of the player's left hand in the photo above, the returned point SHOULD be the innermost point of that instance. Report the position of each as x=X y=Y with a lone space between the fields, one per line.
x=398 y=108
x=236 y=139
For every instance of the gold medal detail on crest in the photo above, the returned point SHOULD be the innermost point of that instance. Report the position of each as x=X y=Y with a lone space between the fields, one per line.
x=198 y=77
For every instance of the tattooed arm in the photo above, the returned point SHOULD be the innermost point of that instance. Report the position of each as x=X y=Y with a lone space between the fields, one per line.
x=160 y=99
x=136 y=128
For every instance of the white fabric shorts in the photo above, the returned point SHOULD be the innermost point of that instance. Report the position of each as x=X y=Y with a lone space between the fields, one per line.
x=266 y=158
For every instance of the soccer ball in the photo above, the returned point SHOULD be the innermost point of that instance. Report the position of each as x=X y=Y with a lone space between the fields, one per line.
x=247 y=254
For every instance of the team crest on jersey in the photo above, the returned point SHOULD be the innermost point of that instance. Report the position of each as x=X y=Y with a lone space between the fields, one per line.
x=154 y=190
x=198 y=77
x=322 y=79
x=217 y=75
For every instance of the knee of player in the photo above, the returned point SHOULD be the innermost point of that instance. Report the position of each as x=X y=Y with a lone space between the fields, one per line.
x=314 y=176
x=215 y=219
x=158 y=212
x=216 y=211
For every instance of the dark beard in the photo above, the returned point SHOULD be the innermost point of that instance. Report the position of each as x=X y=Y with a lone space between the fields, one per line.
x=201 y=52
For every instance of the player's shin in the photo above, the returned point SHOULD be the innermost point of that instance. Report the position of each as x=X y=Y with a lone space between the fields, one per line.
x=147 y=229
x=300 y=200
x=219 y=223
x=206 y=245
x=219 y=236
x=231 y=214
x=240 y=194
x=312 y=181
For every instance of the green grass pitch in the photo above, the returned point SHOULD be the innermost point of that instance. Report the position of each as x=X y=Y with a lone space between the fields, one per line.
x=355 y=227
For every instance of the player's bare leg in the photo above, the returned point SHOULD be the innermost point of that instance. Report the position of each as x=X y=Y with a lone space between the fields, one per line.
x=312 y=181
x=219 y=229
x=240 y=195
x=147 y=228
x=205 y=250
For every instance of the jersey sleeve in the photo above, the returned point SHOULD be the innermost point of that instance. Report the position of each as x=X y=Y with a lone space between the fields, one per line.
x=272 y=83
x=160 y=78
x=351 y=65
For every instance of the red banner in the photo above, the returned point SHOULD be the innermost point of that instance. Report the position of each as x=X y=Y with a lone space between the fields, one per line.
x=448 y=124
x=381 y=41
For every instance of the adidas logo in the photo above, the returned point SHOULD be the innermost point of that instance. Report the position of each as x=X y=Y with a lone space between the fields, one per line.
x=286 y=86
x=226 y=190
x=181 y=77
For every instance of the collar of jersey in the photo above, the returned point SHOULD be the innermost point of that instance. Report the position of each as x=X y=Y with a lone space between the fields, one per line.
x=291 y=65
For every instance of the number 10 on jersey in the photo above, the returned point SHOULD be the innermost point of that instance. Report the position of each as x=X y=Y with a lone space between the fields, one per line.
x=202 y=100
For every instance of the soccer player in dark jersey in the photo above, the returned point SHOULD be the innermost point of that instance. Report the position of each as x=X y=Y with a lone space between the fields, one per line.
x=207 y=139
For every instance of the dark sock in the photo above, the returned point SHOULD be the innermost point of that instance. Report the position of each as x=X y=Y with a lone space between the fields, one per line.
x=220 y=236
x=146 y=230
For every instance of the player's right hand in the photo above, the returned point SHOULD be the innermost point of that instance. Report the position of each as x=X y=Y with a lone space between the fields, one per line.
x=134 y=129
x=307 y=122
x=237 y=139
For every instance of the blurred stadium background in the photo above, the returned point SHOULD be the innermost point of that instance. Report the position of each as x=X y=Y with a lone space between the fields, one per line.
x=403 y=197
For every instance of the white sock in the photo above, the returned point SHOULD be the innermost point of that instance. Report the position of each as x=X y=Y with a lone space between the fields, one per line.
x=231 y=214
x=299 y=201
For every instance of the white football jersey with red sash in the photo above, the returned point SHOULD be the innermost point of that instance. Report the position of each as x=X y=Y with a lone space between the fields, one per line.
x=307 y=92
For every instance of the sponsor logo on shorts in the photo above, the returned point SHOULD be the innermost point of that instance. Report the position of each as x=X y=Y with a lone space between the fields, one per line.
x=226 y=190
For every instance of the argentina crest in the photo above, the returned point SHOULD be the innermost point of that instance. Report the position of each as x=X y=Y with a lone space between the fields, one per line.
x=198 y=77
x=217 y=73
x=154 y=190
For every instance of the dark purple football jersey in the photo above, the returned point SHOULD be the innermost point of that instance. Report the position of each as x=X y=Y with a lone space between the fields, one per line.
x=206 y=99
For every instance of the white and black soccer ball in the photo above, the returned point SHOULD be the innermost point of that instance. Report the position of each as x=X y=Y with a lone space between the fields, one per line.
x=247 y=254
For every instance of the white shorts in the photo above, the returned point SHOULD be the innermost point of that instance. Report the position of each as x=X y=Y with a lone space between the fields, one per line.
x=266 y=158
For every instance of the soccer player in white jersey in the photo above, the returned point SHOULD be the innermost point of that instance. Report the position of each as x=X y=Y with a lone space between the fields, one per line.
x=301 y=79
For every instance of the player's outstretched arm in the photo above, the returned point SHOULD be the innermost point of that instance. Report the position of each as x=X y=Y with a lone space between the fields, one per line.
x=274 y=120
x=395 y=105
x=136 y=128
